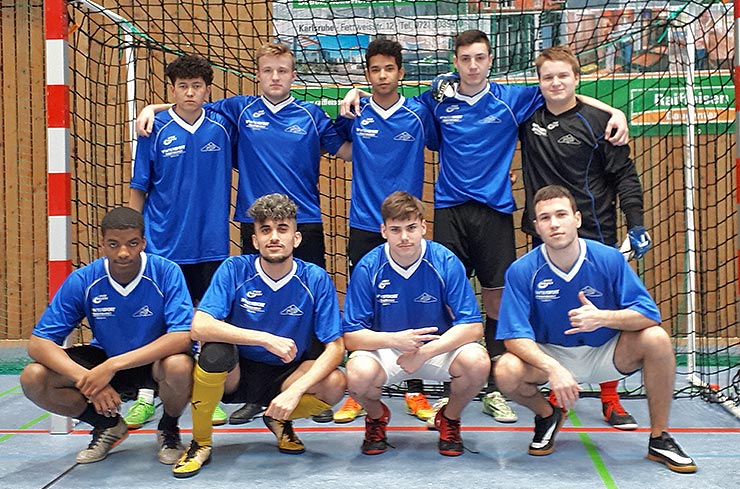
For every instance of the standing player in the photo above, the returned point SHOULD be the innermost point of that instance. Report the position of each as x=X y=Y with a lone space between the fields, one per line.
x=390 y=129
x=138 y=309
x=563 y=143
x=187 y=146
x=400 y=294
x=575 y=312
x=257 y=323
x=473 y=197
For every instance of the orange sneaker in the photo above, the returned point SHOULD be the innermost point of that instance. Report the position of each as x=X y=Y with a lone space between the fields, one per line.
x=349 y=411
x=418 y=405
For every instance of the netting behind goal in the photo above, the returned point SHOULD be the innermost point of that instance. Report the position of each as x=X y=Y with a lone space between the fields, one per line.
x=666 y=64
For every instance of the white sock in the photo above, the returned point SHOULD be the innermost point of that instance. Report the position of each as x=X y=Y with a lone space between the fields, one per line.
x=147 y=395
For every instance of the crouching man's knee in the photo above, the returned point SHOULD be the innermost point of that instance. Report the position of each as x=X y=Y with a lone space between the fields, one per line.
x=218 y=357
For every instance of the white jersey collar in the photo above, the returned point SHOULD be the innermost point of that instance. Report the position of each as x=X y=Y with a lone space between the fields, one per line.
x=274 y=285
x=191 y=128
x=275 y=108
x=473 y=99
x=567 y=276
x=387 y=113
x=125 y=291
x=405 y=272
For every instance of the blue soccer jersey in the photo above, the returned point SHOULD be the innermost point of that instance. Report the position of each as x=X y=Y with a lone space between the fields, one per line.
x=185 y=170
x=279 y=150
x=538 y=295
x=302 y=305
x=382 y=296
x=387 y=155
x=121 y=319
x=478 y=139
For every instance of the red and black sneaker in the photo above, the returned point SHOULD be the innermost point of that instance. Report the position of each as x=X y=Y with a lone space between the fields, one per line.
x=375 y=441
x=450 y=442
x=616 y=415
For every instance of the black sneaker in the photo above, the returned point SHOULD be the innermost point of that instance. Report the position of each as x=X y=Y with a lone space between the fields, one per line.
x=617 y=416
x=375 y=439
x=545 y=429
x=246 y=413
x=665 y=450
x=325 y=416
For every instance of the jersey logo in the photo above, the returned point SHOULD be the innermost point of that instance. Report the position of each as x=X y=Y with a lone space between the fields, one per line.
x=387 y=299
x=589 y=291
x=253 y=307
x=543 y=294
x=294 y=129
x=291 y=310
x=169 y=140
x=569 y=139
x=538 y=130
x=254 y=293
x=553 y=125
x=258 y=114
x=366 y=121
x=452 y=108
x=99 y=298
x=256 y=125
x=404 y=136
x=491 y=119
x=210 y=147
x=144 y=312
x=426 y=298
x=545 y=283
x=383 y=284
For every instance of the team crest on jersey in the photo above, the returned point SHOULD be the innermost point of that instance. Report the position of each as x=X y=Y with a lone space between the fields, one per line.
x=589 y=291
x=404 y=136
x=210 y=147
x=426 y=298
x=452 y=108
x=258 y=114
x=99 y=298
x=169 y=140
x=569 y=139
x=383 y=284
x=144 y=312
x=294 y=129
x=254 y=293
x=538 y=130
x=543 y=293
x=291 y=310
x=366 y=121
x=553 y=125
x=491 y=119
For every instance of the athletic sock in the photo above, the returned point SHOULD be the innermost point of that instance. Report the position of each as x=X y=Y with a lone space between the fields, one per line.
x=91 y=417
x=609 y=390
x=208 y=388
x=168 y=423
x=415 y=386
x=308 y=406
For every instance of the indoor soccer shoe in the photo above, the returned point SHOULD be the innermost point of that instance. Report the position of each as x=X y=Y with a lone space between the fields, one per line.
x=139 y=413
x=545 y=429
x=349 y=411
x=288 y=441
x=375 y=441
x=191 y=461
x=615 y=415
x=246 y=413
x=665 y=450
x=170 y=446
x=418 y=405
x=103 y=440
x=219 y=416
x=450 y=442
x=494 y=404
x=325 y=416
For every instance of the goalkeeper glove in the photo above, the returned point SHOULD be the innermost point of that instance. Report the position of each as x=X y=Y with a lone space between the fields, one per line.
x=445 y=86
x=639 y=240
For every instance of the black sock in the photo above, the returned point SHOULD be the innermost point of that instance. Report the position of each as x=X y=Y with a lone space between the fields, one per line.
x=415 y=386
x=445 y=389
x=168 y=423
x=91 y=417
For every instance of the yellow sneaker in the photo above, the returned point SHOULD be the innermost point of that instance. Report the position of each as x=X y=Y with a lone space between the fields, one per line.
x=191 y=461
x=417 y=405
x=349 y=411
x=288 y=441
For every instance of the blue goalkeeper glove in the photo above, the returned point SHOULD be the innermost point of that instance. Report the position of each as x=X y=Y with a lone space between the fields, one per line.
x=445 y=86
x=639 y=240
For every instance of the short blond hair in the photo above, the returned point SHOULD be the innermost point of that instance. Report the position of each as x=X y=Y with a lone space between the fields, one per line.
x=558 y=53
x=273 y=49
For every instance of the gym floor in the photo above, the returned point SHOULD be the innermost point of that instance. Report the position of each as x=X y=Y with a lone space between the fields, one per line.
x=588 y=453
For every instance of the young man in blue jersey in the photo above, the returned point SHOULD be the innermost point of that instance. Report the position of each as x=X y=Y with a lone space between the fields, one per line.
x=389 y=129
x=563 y=143
x=257 y=324
x=139 y=311
x=410 y=312
x=187 y=146
x=575 y=312
x=473 y=196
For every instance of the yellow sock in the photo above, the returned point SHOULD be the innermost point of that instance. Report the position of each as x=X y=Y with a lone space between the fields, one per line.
x=208 y=388
x=307 y=407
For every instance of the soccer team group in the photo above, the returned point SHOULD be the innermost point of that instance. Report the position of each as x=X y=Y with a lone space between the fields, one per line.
x=200 y=327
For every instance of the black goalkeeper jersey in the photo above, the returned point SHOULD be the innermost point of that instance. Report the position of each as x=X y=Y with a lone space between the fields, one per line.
x=570 y=150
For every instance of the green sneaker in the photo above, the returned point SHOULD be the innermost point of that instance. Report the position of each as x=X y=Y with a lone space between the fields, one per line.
x=219 y=416
x=139 y=413
x=494 y=404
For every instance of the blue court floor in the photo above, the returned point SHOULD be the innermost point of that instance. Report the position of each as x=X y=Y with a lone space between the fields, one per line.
x=588 y=453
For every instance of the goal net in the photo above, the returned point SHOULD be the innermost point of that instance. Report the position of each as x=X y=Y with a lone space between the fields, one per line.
x=667 y=65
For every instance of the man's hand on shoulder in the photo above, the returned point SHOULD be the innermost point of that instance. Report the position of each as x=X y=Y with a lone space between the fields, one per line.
x=445 y=86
